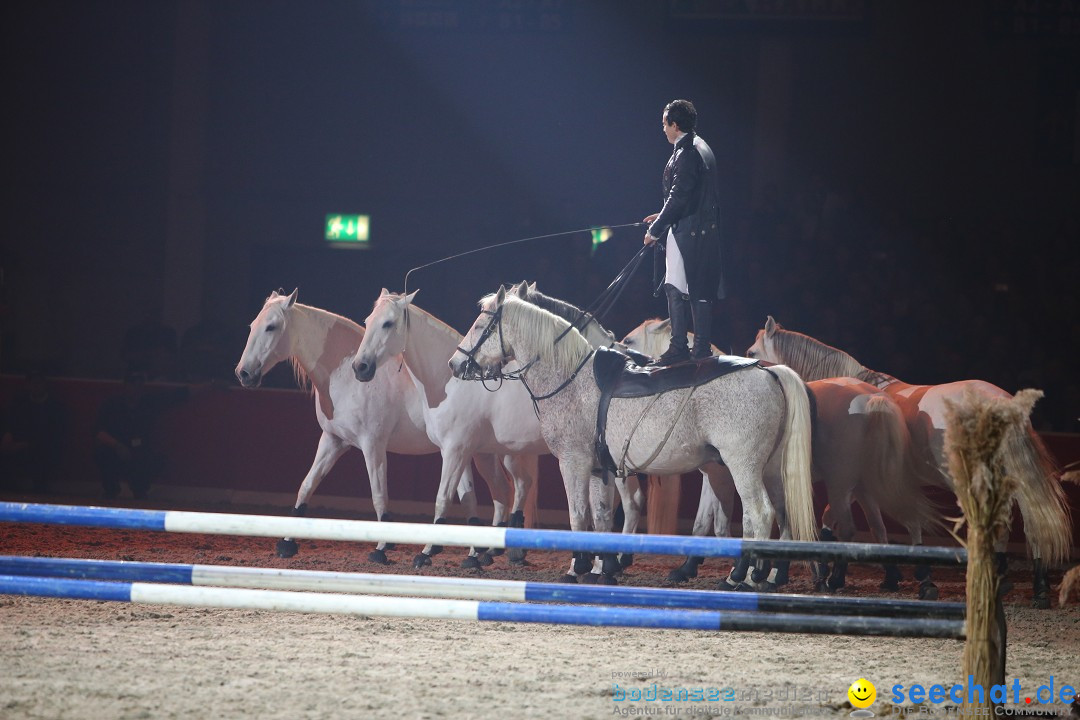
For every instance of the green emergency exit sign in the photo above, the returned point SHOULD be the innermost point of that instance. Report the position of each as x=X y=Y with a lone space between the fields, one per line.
x=348 y=230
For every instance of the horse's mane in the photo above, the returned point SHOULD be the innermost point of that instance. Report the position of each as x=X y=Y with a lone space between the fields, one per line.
x=450 y=331
x=543 y=327
x=816 y=360
x=565 y=310
x=323 y=316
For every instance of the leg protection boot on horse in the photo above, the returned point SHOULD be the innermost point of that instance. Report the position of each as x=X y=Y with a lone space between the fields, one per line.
x=287 y=547
x=687 y=570
x=702 y=312
x=679 y=312
x=1040 y=583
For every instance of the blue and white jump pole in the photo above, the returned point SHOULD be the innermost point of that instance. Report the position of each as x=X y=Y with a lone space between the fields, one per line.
x=379 y=606
x=471 y=536
x=469 y=588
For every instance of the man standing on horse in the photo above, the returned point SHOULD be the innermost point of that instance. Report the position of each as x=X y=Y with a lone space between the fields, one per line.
x=690 y=222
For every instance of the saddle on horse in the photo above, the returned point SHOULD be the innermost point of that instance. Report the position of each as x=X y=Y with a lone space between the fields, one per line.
x=617 y=375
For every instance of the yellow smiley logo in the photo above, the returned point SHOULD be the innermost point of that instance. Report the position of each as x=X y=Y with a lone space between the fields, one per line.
x=862 y=693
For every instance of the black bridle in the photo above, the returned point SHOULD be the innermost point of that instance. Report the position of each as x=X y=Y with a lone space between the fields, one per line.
x=473 y=371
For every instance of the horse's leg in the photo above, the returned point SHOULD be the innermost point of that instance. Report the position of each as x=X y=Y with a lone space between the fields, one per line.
x=602 y=501
x=927 y=589
x=843 y=527
x=576 y=482
x=632 y=499
x=821 y=568
x=489 y=468
x=330 y=449
x=708 y=507
x=375 y=460
x=893 y=576
x=455 y=462
x=1040 y=583
x=758 y=517
x=524 y=470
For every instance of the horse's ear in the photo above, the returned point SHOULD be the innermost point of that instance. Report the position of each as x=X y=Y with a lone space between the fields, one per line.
x=666 y=322
x=522 y=290
x=500 y=296
x=770 y=326
x=410 y=296
x=292 y=298
x=532 y=286
x=383 y=293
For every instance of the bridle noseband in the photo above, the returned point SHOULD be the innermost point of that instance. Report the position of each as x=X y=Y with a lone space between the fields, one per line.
x=473 y=371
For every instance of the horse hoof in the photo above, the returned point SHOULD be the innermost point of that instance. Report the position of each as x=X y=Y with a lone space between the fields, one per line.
x=485 y=559
x=626 y=560
x=606 y=579
x=820 y=586
x=390 y=546
x=379 y=556
x=568 y=578
x=582 y=566
x=590 y=578
x=435 y=550
x=889 y=586
x=287 y=548
x=1041 y=602
x=678 y=575
x=471 y=562
x=495 y=552
x=421 y=560
x=516 y=556
x=834 y=584
x=928 y=591
x=745 y=587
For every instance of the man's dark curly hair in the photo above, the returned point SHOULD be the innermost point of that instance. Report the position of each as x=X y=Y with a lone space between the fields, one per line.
x=682 y=113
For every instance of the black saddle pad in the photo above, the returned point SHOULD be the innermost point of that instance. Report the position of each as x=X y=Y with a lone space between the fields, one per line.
x=617 y=376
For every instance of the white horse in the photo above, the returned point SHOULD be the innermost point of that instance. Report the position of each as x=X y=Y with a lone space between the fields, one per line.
x=384 y=415
x=1039 y=493
x=756 y=421
x=861 y=452
x=462 y=419
x=629 y=487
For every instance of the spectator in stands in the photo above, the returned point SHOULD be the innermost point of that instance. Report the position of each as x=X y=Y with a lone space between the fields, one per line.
x=123 y=448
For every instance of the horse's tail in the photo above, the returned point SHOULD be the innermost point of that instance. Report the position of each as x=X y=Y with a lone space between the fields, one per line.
x=1047 y=522
x=892 y=468
x=795 y=465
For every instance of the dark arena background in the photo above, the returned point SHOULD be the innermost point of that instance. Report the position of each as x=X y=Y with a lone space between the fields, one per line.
x=900 y=180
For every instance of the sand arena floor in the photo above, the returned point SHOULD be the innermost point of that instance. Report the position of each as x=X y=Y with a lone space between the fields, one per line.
x=88 y=659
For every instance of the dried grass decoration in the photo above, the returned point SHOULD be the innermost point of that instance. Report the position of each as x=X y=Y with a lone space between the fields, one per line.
x=976 y=429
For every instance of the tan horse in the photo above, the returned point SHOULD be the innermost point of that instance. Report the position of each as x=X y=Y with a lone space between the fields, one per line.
x=861 y=452
x=1047 y=525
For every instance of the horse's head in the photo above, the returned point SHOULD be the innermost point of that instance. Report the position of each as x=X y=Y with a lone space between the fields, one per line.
x=268 y=342
x=764 y=348
x=650 y=337
x=483 y=352
x=384 y=334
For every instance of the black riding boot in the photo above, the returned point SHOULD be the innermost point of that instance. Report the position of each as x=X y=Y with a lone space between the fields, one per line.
x=679 y=350
x=702 y=310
